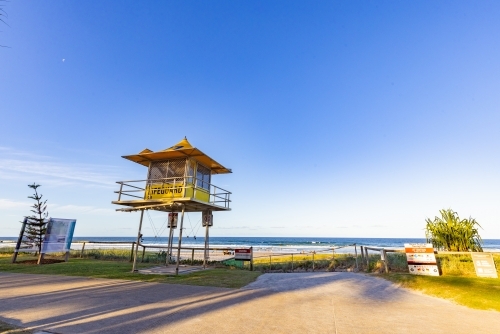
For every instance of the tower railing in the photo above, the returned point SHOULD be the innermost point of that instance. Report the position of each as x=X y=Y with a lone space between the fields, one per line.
x=137 y=190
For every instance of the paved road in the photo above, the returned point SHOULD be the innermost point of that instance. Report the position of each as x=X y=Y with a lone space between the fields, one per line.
x=275 y=303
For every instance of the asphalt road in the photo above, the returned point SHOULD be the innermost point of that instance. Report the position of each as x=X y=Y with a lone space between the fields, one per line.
x=275 y=303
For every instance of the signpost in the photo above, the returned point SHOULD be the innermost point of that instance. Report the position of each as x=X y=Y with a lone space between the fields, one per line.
x=244 y=254
x=421 y=259
x=484 y=265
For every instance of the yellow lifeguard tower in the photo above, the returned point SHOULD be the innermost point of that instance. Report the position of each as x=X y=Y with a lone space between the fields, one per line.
x=178 y=180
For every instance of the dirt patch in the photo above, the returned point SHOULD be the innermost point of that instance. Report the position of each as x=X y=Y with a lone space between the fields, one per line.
x=44 y=261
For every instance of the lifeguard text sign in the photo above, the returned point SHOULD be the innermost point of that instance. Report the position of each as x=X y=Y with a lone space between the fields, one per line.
x=421 y=259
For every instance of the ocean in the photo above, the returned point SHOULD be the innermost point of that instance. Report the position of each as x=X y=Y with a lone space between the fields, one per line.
x=275 y=244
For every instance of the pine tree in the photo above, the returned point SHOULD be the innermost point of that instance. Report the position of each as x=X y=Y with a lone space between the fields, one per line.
x=36 y=224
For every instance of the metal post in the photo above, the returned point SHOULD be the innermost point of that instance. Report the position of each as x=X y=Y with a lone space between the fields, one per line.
x=137 y=243
x=205 y=256
x=120 y=192
x=19 y=240
x=180 y=241
x=356 y=254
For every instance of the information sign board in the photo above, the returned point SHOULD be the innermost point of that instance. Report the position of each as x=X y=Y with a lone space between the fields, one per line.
x=421 y=259
x=59 y=235
x=484 y=265
x=243 y=254
x=172 y=219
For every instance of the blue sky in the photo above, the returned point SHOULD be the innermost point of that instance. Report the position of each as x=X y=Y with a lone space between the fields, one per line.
x=338 y=118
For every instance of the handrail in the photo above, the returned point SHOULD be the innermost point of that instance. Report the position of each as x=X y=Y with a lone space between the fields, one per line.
x=216 y=195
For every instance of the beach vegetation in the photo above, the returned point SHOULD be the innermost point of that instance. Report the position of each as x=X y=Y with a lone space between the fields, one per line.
x=36 y=223
x=451 y=233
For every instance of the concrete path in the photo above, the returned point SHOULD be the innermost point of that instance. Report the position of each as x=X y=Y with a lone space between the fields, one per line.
x=275 y=303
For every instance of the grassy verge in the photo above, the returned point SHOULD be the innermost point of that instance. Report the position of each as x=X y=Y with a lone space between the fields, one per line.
x=11 y=329
x=474 y=292
x=218 y=277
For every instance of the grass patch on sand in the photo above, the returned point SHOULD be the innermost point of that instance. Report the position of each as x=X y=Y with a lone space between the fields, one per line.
x=473 y=292
x=218 y=277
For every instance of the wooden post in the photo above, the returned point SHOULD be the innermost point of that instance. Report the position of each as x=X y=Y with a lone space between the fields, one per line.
x=367 y=259
x=333 y=259
x=292 y=263
x=270 y=263
x=356 y=255
x=132 y=252
x=362 y=255
x=19 y=240
x=137 y=243
x=180 y=242
x=313 y=261
x=251 y=258
x=83 y=248
x=385 y=261
x=66 y=257
x=143 y=252
x=192 y=256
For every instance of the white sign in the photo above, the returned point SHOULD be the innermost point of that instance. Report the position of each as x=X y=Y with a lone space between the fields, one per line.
x=484 y=265
x=243 y=254
x=59 y=235
x=421 y=259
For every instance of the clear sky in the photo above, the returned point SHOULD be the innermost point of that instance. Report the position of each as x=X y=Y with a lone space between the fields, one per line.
x=338 y=118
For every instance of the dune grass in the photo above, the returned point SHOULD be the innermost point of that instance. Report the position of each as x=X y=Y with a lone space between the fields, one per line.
x=473 y=292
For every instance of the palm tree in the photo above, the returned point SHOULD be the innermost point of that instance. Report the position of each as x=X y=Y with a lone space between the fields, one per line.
x=450 y=233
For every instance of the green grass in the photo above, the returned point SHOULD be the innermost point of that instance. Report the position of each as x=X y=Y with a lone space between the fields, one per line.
x=474 y=292
x=11 y=329
x=218 y=277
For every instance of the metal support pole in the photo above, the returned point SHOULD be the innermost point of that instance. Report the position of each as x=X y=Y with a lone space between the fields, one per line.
x=19 y=240
x=180 y=241
x=137 y=243
x=205 y=256
x=356 y=255
x=170 y=242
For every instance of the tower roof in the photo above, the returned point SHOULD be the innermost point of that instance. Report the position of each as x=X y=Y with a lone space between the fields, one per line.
x=182 y=149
